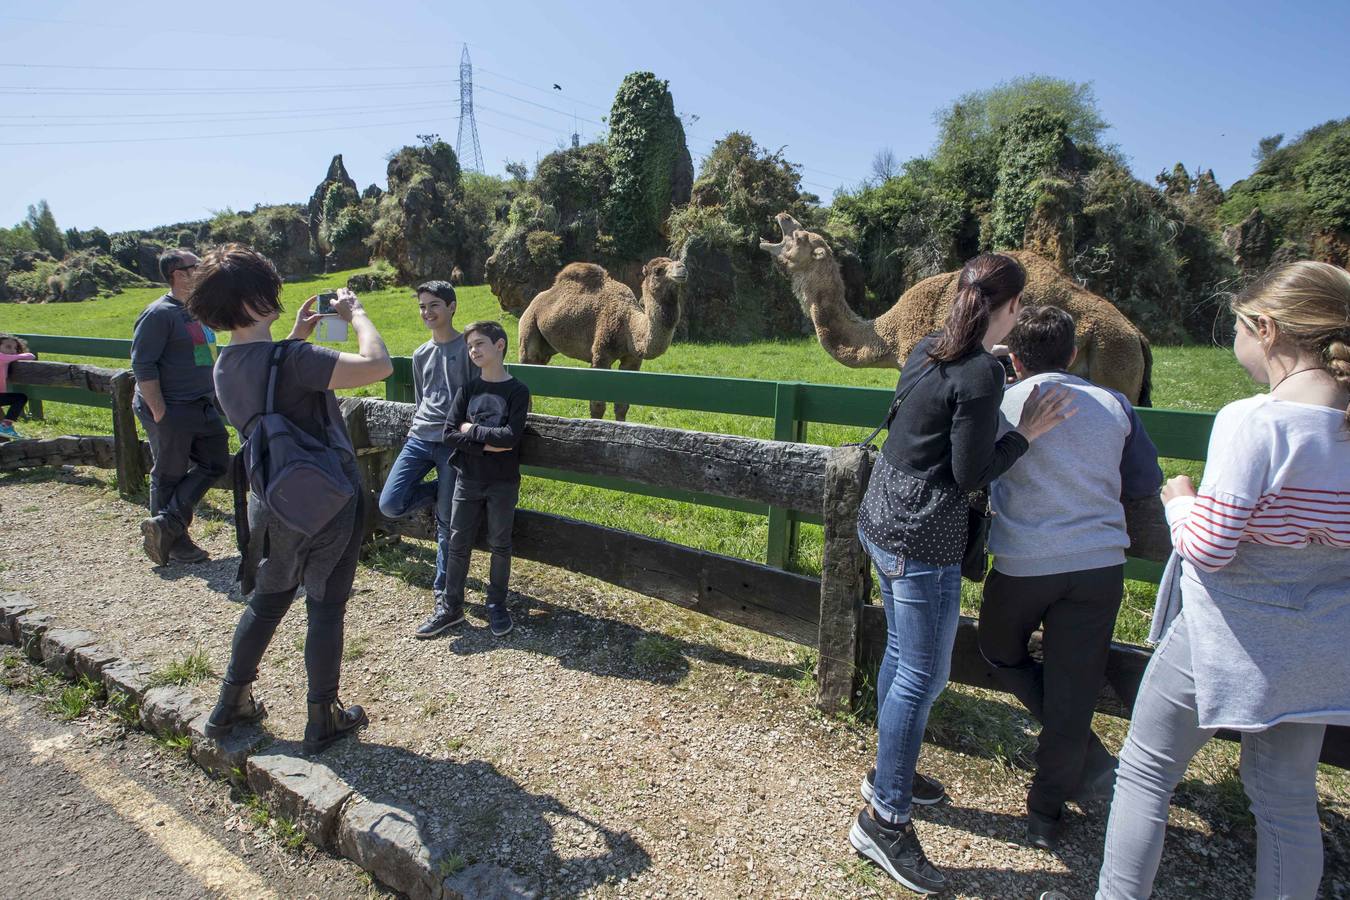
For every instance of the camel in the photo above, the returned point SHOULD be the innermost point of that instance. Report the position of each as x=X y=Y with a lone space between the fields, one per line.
x=589 y=316
x=1112 y=352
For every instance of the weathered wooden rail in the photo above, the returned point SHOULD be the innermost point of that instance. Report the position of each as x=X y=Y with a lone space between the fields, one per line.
x=831 y=614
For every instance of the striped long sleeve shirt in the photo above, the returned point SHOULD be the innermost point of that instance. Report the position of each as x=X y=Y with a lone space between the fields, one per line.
x=1277 y=473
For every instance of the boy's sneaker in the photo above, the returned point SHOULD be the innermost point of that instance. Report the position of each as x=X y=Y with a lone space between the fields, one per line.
x=8 y=433
x=924 y=791
x=499 y=619
x=897 y=850
x=444 y=617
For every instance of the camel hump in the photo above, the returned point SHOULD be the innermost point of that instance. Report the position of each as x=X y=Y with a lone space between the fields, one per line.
x=588 y=275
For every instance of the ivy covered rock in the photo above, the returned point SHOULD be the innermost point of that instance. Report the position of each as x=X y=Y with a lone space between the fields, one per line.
x=339 y=222
x=419 y=227
x=650 y=162
x=527 y=256
x=281 y=233
x=82 y=275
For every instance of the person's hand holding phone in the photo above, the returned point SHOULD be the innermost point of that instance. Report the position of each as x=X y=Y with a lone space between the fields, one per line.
x=347 y=305
x=305 y=320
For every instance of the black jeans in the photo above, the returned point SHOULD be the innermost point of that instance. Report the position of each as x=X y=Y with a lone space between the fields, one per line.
x=473 y=498
x=191 y=450
x=14 y=402
x=1078 y=611
x=325 y=604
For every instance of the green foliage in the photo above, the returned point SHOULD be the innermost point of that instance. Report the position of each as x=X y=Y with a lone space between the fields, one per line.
x=76 y=699
x=650 y=162
x=190 y=669
x=542 y=248
x=573 y=184
x=750 y=185
x=420 y=226
x=1326 y=176
x=1031 y=148
x=41 y=223
x=279 y=232
x=969 y=130
x=1299 y=186
x=656 y=652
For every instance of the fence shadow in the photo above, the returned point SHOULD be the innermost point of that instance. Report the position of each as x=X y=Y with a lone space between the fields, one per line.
x=471 y=811
x=580 y=641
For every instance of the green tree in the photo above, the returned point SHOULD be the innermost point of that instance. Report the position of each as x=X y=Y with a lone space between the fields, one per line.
x=748 y=185
x=1326 y=177
x=1032 y=147
x=42 y=224
x=650 y=161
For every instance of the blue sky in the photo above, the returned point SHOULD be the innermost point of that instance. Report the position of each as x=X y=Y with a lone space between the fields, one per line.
x=831 y=82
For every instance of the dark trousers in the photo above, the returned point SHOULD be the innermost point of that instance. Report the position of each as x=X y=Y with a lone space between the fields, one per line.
x=15 y=403
x=474 y=499
x=1078 y=612
x=326 y=595
x=191 y=450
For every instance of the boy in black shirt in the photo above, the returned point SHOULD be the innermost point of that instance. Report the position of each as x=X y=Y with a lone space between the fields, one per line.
x=487 y=420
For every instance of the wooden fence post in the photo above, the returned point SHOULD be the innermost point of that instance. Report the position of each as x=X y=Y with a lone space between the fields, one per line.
x=131 y=472
x=783 y=524
x=844 y=578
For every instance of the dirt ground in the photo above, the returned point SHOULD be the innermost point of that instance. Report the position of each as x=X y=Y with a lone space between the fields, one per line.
x=613 y=745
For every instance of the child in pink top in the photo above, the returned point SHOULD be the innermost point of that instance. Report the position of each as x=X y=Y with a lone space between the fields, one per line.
x=11 y=350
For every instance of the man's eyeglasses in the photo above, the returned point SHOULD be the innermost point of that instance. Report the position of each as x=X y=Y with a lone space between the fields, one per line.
x=183 y=269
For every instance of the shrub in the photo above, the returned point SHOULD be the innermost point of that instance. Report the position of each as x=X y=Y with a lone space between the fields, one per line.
x=650 y=162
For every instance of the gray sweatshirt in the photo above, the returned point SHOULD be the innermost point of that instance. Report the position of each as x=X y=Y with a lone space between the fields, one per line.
x=439 y=371
x=1058 y=508
x=170 y=346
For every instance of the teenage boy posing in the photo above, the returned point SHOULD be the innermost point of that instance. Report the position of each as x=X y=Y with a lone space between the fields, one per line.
x=1058 y=540
x=487 y=420
x=441 y=368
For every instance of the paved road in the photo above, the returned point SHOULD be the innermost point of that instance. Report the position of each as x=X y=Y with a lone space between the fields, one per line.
x=88 y=811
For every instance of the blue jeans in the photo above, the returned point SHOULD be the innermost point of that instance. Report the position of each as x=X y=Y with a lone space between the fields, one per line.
x=923 y=608
x=405 y=493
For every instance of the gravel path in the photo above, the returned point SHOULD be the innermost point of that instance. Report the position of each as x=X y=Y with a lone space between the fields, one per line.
x=613 y=745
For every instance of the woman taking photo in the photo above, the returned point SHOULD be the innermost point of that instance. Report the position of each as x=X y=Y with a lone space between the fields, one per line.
x=1254 y=610
x=238 y=290
x=942 y=444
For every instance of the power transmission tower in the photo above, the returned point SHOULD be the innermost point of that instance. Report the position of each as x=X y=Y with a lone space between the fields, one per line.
x=469 y=152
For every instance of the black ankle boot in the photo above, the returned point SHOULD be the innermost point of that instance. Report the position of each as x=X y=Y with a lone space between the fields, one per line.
x=330 y=722
x=235 y=707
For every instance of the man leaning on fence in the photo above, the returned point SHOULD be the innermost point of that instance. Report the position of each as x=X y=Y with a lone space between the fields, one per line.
x=172 y=355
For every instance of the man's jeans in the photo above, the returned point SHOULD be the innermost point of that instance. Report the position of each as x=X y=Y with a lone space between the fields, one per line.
x=923 y=608
x=405 y=492
x=191 y=450
x=1279 y=774
x=472 y=499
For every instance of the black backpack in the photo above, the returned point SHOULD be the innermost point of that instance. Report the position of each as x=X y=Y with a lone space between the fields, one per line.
x=296 y=476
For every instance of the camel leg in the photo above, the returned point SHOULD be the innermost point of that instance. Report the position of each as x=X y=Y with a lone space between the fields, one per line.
x=598 y=406
x=533 y=348
x=629 y=365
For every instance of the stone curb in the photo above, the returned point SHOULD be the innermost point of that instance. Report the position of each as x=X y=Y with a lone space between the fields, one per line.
x=382 y=838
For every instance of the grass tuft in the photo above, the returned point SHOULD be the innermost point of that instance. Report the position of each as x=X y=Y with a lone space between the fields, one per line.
x=656 y=652
x=191 y=669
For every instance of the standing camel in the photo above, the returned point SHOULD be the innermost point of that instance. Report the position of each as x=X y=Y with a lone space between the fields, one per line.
x=1112 y=352
x=589 y=316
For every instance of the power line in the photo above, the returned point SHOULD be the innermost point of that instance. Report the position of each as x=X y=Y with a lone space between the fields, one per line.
x=203 y=137
x=210 y=118
x=550 y=91
x=177 y=69
x=187 y=92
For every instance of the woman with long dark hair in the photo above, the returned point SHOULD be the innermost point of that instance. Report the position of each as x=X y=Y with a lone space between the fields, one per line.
x=943 y=443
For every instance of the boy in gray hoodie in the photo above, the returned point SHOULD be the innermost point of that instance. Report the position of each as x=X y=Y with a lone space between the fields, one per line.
x=1058 y=540
x=441 y=368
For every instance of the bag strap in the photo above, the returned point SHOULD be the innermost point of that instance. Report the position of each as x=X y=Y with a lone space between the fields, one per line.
x=895 y=406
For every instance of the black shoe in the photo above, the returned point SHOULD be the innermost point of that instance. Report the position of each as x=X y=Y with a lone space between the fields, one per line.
x=924 y=791
x=897 y=851
x=236 y=706
x=185 y=551
x=446 y=615
x=499 y=620
x=1042 y=831
x=330 y=722
x=159 y=534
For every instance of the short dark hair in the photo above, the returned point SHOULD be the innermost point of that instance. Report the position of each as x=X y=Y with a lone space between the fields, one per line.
x=442 y=289
x=171 y=261
x=1042 y=338
x=233 y=282
x=493 y=331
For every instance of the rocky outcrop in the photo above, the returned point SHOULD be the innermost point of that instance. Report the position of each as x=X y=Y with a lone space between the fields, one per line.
x=1252 y=242
x=331 y=235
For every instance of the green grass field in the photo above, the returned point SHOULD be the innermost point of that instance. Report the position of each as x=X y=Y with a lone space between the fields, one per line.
x=1191 y=378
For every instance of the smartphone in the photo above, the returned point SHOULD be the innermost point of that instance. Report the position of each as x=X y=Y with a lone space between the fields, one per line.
x=325 y=305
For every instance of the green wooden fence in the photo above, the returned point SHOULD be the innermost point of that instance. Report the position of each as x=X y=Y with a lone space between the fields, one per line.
x=791 y=406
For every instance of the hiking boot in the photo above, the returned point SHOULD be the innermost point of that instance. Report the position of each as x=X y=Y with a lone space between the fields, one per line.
x=1042 y=830
x=236 y=706
x=499 y=620
x=160 y=532
x=924 y=791
x=446 y=615
x=896 y=849
x=329 y=723
x=184 y=550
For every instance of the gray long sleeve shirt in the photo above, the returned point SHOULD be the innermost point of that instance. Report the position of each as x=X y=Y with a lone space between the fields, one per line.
x=170 y=346
x=439 y=372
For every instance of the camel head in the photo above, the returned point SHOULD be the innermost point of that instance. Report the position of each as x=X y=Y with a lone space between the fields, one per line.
x=663 y=272
x=800 y=250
